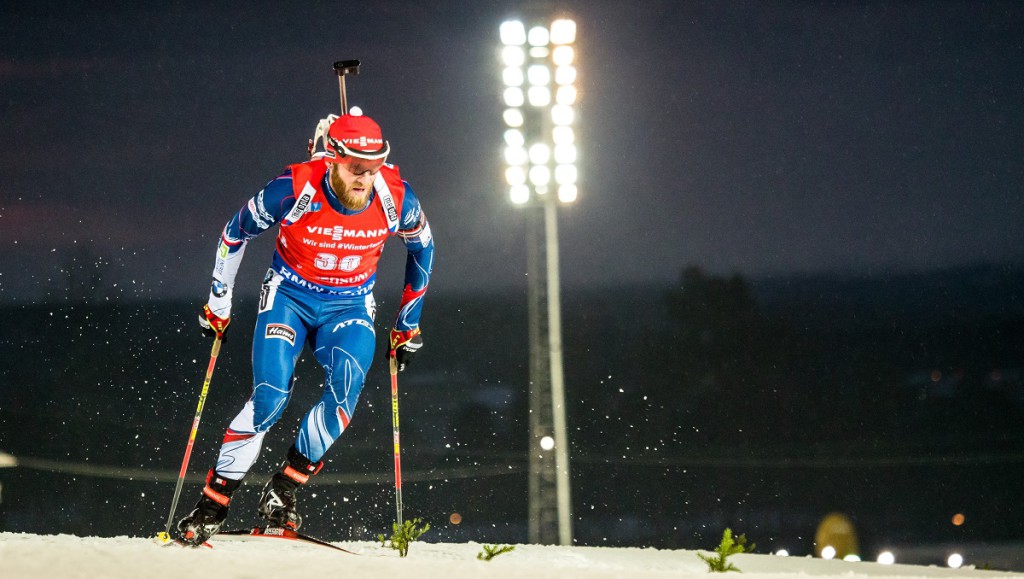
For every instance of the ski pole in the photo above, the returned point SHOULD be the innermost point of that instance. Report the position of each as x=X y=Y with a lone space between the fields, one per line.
x=214 y=352
x=394 y=423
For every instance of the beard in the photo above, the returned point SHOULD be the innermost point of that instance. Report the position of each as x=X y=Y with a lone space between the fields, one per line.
x=349 y=200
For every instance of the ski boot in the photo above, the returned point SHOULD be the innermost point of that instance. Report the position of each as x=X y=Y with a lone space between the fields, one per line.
x=277 y=505
x=206 y=519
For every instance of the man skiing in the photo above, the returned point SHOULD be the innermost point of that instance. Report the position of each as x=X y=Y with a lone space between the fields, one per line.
x=334 y=214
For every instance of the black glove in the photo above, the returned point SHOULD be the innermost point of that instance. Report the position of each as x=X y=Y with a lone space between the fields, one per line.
x=404 y=344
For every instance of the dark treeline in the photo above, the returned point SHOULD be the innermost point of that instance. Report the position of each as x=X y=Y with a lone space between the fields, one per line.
x=756 y=404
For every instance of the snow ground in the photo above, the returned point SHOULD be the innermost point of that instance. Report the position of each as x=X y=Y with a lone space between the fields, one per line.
x=62 y=556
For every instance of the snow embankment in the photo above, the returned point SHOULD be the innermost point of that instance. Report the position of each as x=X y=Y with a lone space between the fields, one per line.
x=62 y=556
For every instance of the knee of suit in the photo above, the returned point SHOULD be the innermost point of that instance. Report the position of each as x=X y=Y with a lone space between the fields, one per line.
x=269 y=403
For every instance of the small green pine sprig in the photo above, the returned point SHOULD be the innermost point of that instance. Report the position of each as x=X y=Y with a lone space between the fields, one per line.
x=728 y=547
x=402 y=535
x=492 y=551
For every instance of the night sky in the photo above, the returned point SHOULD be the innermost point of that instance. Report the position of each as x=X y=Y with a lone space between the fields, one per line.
x=749 y=137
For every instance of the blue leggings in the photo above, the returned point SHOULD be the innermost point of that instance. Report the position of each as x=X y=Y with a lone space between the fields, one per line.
x=339 y=332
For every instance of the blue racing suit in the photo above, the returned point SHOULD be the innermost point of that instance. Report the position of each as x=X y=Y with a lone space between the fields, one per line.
x=318 y=291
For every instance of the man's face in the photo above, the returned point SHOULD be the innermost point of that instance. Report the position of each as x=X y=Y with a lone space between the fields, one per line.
x=353 y=189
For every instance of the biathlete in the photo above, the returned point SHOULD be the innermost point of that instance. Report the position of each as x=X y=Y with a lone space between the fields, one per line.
x=334 y=214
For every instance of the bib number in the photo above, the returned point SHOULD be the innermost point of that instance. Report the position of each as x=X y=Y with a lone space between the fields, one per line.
x=330 y=262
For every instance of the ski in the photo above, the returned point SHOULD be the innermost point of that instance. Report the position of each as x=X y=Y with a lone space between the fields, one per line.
x=279 y=533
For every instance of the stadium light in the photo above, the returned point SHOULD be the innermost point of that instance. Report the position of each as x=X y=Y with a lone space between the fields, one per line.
x=513 y=33
x=955 y=561
x=538 y=72
x=563 y=31
x=539 y=75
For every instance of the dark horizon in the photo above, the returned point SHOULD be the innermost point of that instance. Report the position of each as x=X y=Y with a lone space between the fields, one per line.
x=108 y=282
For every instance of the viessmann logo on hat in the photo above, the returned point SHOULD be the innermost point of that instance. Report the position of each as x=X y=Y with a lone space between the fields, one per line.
x=357 y=133
x=354 y=139
x=363 y=142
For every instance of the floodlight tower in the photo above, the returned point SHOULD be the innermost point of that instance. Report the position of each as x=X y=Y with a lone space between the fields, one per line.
x=539 y=74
